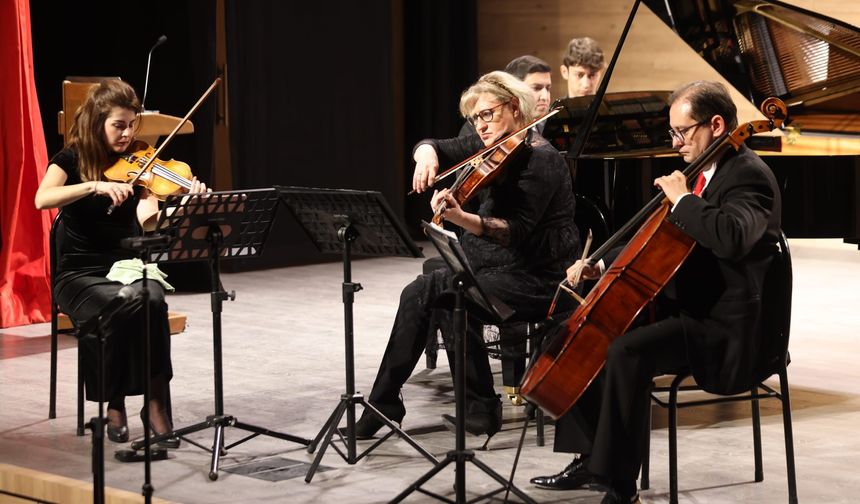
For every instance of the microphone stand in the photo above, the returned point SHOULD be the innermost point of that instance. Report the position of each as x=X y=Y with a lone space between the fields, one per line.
x=97 y=424
x=142 y=245
x=162 y=39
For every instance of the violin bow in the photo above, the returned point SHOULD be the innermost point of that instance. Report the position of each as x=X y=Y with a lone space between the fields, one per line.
x=486 y=150
x=568 y=286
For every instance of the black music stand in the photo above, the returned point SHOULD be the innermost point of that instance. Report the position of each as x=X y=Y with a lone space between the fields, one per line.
x=467 y=290
x=213 y=227
x=335 y=219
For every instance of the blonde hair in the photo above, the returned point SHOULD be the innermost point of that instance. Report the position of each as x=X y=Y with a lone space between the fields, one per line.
x=503 y=86
x=86 y=136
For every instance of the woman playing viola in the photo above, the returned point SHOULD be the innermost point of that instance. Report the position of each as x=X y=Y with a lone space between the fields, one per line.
x=518 y=234
x=104 y=128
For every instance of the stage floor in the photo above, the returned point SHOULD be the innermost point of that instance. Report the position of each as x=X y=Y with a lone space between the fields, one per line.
x=283 y=348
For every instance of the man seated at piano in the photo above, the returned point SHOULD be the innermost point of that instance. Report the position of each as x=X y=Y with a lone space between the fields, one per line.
x=711 y=310
x=582 y=67
x=535 y=72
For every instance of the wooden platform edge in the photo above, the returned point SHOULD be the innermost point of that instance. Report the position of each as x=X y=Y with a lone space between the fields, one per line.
x=46 y=487
x=177 y=322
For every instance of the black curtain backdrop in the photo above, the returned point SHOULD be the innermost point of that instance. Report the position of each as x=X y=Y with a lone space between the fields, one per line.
x=112 y=39
x=319 y=94
x=441 y=48
x=316 y=93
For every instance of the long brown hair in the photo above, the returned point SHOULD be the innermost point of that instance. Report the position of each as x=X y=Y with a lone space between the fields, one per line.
x=87 y=134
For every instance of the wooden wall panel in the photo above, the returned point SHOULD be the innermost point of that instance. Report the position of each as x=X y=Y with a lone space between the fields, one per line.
x=653 y=57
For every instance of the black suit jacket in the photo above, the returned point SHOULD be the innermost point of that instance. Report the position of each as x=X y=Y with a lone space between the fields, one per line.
x=736 y=224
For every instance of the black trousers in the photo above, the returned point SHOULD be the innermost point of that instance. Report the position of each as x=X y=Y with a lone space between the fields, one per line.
x=632 y=361
x=85 y=296
x=408 y=339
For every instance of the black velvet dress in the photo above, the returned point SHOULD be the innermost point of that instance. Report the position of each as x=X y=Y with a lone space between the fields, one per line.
x=89 y=244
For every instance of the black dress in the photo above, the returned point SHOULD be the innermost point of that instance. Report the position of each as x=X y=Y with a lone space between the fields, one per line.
x=534 y=196
x=89 y=244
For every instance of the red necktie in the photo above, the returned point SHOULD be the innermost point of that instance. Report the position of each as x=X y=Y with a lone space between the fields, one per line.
x=700 y=184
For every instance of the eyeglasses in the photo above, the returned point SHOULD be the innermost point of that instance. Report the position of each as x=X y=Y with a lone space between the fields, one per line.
x=680 y=134
x=485 y=115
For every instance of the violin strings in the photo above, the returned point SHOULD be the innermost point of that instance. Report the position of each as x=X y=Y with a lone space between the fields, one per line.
x=164 y=172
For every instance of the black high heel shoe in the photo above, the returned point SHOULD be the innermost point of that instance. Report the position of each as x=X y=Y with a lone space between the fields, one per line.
x=369 y=424
x=478 y=423
x=171 y=443
x=118 y=434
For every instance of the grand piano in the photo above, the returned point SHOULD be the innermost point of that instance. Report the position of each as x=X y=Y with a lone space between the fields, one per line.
x=762 y=48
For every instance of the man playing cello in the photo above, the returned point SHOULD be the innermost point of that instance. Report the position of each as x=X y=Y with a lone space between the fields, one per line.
x=712 y=314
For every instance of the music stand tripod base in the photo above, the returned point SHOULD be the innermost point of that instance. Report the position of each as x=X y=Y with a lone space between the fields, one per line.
x=335 y=219
x=463 y=281
x=218 y=225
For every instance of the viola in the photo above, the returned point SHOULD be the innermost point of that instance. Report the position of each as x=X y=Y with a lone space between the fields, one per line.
x=483 y=168
x=162 y=178
x=480 y=174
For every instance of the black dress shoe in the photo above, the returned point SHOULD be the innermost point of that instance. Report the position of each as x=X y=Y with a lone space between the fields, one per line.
x=613 y=497
x=574 y=476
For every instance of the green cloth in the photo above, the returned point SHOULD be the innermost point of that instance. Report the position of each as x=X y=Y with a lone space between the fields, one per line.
x=129 y=270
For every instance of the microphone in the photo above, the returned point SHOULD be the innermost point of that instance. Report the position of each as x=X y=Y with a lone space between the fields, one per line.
x=162 y=39
x=123 y=297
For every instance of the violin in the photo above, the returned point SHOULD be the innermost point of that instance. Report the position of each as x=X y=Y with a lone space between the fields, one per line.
x=149 y=166
x=162 y=178
x=484 y=167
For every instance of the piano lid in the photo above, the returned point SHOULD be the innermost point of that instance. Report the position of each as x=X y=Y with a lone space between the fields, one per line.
x=769 y=48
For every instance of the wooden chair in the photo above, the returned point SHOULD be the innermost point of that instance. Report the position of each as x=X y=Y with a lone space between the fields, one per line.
x=777 y=302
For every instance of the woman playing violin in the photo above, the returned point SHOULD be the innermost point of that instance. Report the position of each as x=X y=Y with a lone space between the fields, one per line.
x=518 y=234
x=104 y=128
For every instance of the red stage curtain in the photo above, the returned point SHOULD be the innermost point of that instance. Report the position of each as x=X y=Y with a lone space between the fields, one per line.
x=25 y=296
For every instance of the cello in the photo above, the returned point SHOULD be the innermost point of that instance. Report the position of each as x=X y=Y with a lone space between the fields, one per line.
x=559 y=376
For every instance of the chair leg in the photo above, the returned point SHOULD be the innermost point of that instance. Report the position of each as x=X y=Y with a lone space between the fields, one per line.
x=645 y=478
x=52 y=399
x=756 y=425
x=673 y=439
x=540 y=421
x=789 y=436
x=80 y=429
